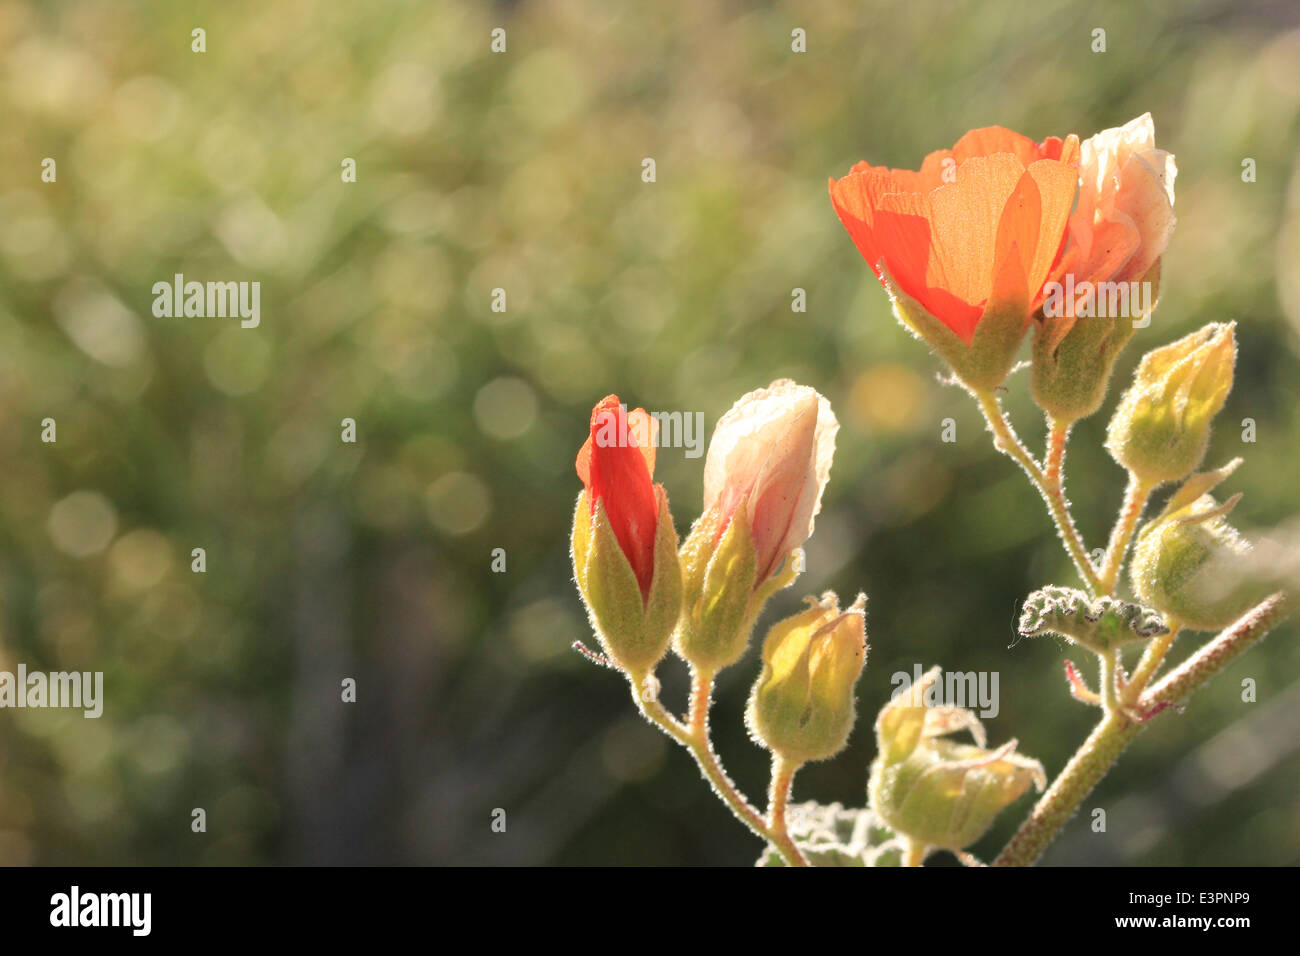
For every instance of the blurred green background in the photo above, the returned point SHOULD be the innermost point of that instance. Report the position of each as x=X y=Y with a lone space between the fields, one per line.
x=522 y=171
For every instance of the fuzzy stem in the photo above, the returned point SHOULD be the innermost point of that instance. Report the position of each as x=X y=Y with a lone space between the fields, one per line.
x=1136 y=495
x=1152 y=657
x=913 y=852
x=1214 y=656
x=1109 y=680
x=1099 y=752
x=1058 y=433
x=778 y=799
x=1005 y=440
x=1089 y=764
x=701 y=697
x=695 y=738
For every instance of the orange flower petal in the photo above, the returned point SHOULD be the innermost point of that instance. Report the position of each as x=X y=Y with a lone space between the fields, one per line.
x=1017 y=239
x=992 y=140
x=964 y=216
x=1008 y=290
x=1057 y=183
x=904 y=234
x=855 y=198
x=639 y=423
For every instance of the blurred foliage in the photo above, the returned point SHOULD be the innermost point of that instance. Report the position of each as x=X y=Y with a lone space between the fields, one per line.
x=522 y=171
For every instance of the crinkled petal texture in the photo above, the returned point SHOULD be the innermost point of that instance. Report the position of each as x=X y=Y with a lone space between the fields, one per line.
x=771 y=453
x=978 y=225
x=1125 y=214
x=616 y=464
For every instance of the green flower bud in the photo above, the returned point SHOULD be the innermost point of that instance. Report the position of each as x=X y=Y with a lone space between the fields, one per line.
x=634 y=629
x=718 y=587
x=802 y=706
x=936 y=792
x=1074 y=356
x=1191 y=563
x=1162 y=425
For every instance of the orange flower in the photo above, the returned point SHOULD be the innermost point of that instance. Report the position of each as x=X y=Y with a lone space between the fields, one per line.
x=978 y=228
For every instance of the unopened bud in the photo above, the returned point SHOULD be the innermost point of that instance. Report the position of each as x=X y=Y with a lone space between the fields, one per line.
x=718 y=576
x=1191 y=563
x=1074 y=356
x=633 y=628
x=934 y=791
x=802 y=705
x=1162 y=425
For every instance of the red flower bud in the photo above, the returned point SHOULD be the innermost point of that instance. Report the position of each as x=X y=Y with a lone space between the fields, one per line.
x=616 y=464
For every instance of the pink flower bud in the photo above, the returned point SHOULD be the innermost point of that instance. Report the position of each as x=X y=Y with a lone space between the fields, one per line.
x=771 y=454
x=1124 y=217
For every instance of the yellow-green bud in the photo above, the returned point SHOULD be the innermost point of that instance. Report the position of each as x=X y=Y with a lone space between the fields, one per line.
x=934 y=791
x=1162 y=425
x=802 y=707
x=1191 y=563
x=634 y=629
x=718 y=587
x=1074 y=356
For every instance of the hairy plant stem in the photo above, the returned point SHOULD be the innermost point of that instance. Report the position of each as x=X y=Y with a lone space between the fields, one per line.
x=694 y=736
x=914 y=853
x=1109 y=680
x=1152 y=657
x=1005 y=440
x=1211 y=658
x=697 y=716
x=778 y=798
x=1058 y=433
x=1093 y=760
x=1136 y=496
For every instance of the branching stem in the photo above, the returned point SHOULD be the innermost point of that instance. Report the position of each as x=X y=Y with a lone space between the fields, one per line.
x=1005 y=440
x=1093 y=760
x=694 y=736
x=1136 y=496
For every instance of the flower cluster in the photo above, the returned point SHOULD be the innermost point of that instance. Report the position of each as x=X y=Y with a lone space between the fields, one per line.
x=988 y=240
x=767 y=467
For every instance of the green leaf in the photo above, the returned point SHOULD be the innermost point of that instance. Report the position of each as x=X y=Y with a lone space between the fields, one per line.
x=833 y=835
x=1099 y=624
